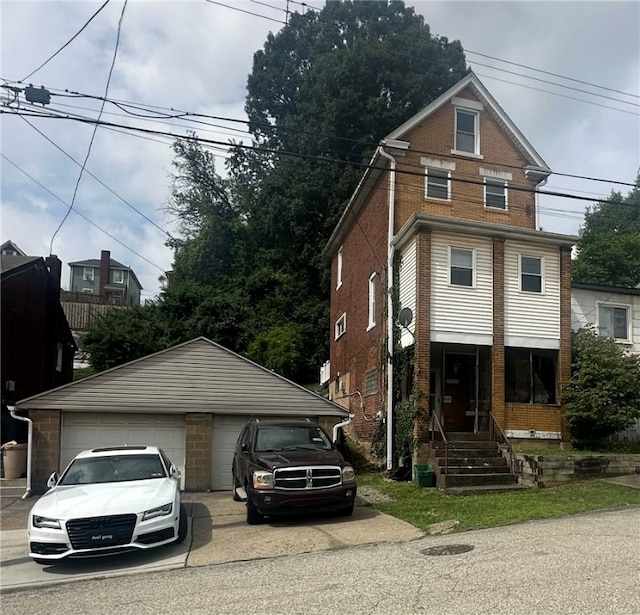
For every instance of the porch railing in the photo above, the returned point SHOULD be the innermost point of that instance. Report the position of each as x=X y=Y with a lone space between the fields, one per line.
x=445 y=442
x=497 y=434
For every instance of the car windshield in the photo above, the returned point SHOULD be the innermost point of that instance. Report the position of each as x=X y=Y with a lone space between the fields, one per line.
x=280 y=438
x=112 y=469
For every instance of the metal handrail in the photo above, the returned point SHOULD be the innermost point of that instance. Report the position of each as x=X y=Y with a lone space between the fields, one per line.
x=445 y=441
x=494 y=424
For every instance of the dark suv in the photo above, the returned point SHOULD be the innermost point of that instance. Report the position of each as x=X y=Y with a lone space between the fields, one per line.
x=287 y=467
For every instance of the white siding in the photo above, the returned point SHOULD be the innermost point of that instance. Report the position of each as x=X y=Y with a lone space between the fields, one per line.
x=531 y=319
x=584 y=310
x=407 y=289
x=459 y=313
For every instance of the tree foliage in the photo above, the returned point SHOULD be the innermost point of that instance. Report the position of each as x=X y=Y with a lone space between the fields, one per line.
x=603 y=395
x=609 y=246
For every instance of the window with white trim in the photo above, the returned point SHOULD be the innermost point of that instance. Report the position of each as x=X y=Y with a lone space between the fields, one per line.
x=467 y=137
x=341 y=326
x=87 y=291
x=495 y=194
x=461 y=266
x=531 y=274
x=372 y=301
x=438 y=184
x=87 y=274
x=118 y=276
x=339 y=276
x=613 y=321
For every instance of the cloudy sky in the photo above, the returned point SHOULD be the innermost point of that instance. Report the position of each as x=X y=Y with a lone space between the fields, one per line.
x=195 y=56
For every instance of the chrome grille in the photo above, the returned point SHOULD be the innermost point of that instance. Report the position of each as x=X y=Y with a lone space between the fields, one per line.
x=97 y=532
x=307 y=477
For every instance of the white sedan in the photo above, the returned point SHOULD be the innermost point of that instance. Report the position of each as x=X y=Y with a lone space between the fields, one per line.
x=108 y=500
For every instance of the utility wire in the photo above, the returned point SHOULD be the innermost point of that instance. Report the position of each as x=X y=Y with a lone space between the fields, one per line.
x=95 y=128
x=75 y=211
x=97 y=178
x=68 y=42
x=235 y=8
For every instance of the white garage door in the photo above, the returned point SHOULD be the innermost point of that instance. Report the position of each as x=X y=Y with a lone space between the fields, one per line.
x=82 y=431
x=226 y=429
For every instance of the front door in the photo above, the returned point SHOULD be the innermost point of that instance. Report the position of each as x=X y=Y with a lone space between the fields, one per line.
x=458 y=381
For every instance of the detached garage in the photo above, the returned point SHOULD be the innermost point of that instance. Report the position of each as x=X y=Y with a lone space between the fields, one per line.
x=190 y=400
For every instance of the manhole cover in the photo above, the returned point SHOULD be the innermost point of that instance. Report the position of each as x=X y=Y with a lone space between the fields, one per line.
x=448 y=550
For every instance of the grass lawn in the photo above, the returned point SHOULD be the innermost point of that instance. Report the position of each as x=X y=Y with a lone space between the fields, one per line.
x=423 y=507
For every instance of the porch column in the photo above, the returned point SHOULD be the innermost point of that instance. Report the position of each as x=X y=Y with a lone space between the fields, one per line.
x=564 y=358
x=498 y=406
x=422 y=368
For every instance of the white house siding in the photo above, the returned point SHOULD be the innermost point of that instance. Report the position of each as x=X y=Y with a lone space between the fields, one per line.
x=531 y=320
x=584 y=310
x=461 y=314
x=407 y=289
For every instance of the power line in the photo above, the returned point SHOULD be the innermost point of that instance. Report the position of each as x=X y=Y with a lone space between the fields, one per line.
x=546 y=72
x=95 y=129
x=96 y=178
x=235 y=8
x=75 y=211
x=68 y=42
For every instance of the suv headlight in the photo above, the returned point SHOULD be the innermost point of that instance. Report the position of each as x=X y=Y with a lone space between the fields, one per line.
x=348 y=474
x=160 y=511
x=262 y=480
x=52 y=524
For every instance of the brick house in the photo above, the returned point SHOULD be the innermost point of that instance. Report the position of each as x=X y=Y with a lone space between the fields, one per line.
x=445 y=218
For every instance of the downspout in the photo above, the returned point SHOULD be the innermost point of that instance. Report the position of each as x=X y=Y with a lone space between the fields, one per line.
x=340 y=425
x=12 y=412
x=391 y=252
x=536 y=199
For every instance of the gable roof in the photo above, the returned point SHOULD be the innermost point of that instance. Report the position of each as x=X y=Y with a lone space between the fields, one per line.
x=95 y=262
x=10 y=245
x=490 y=105
x=196 y=376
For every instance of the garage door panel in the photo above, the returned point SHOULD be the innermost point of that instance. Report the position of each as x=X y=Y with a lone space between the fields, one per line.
x=82 y=431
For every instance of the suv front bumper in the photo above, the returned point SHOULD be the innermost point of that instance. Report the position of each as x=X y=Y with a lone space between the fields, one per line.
x=294 y=501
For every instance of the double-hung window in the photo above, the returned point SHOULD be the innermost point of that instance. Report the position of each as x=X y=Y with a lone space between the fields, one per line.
x=341 y=326
x=531 y=274
x=461 y=267
x=372 y=301
x=87 y=274
x=613 y=321
x=118 y=276
x=467 y=132
x=495 y=194
x=438 y=185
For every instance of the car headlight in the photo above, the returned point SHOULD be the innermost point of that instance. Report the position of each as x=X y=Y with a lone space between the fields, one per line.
x=262 y=480
x=160 y=511
x=348 y=474
x=52 y=524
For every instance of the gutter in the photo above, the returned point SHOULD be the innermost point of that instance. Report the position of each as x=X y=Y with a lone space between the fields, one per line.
x=391 y=253
x=12 y=412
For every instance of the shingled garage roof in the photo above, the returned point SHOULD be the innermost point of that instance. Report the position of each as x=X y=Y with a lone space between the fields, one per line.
x=197 y=376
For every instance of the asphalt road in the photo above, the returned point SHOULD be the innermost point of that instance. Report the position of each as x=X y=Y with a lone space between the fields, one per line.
x=582 y=565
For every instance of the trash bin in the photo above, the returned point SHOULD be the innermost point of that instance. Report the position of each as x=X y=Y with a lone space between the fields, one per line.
x=14 y=459
x=424 y=476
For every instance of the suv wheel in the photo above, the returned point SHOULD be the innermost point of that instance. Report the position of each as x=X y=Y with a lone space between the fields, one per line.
x=253 y=516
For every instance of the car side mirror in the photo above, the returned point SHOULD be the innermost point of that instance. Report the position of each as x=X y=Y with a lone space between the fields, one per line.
x=53 y=480
x=174 y=472
x=245 y=447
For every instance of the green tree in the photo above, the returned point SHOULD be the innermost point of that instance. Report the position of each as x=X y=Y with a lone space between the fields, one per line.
x=609 y=246
x=603 y=395
x=122 y=335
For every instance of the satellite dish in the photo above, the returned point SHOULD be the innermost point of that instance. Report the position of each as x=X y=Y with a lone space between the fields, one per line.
x=405 y=318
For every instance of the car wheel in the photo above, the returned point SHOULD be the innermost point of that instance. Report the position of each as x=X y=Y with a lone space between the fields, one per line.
x=253 y=516
x=346 y=512
x=43 y=562
x=182 y=525
x=236 y=484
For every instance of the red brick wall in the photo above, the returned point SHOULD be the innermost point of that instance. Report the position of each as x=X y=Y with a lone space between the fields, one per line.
x=564 y=360
x=198 y=433
x=533 y=416
x=364 y=251
x=497 y=351
x=422 y=368
x=46 y=447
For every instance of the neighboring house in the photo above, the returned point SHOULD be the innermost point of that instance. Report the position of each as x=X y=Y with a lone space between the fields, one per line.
x=445 y=216
x=614 y=312
x=9 y=248
x=106 y=279
x=37 y=345
x=192 y=400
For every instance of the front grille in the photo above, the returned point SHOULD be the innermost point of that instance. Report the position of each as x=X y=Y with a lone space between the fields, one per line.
x=159 y=536
x=311 y=477
x=48 y=548
x=97 y=532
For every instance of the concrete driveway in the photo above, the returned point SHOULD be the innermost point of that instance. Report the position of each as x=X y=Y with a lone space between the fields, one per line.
x=218 y=534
